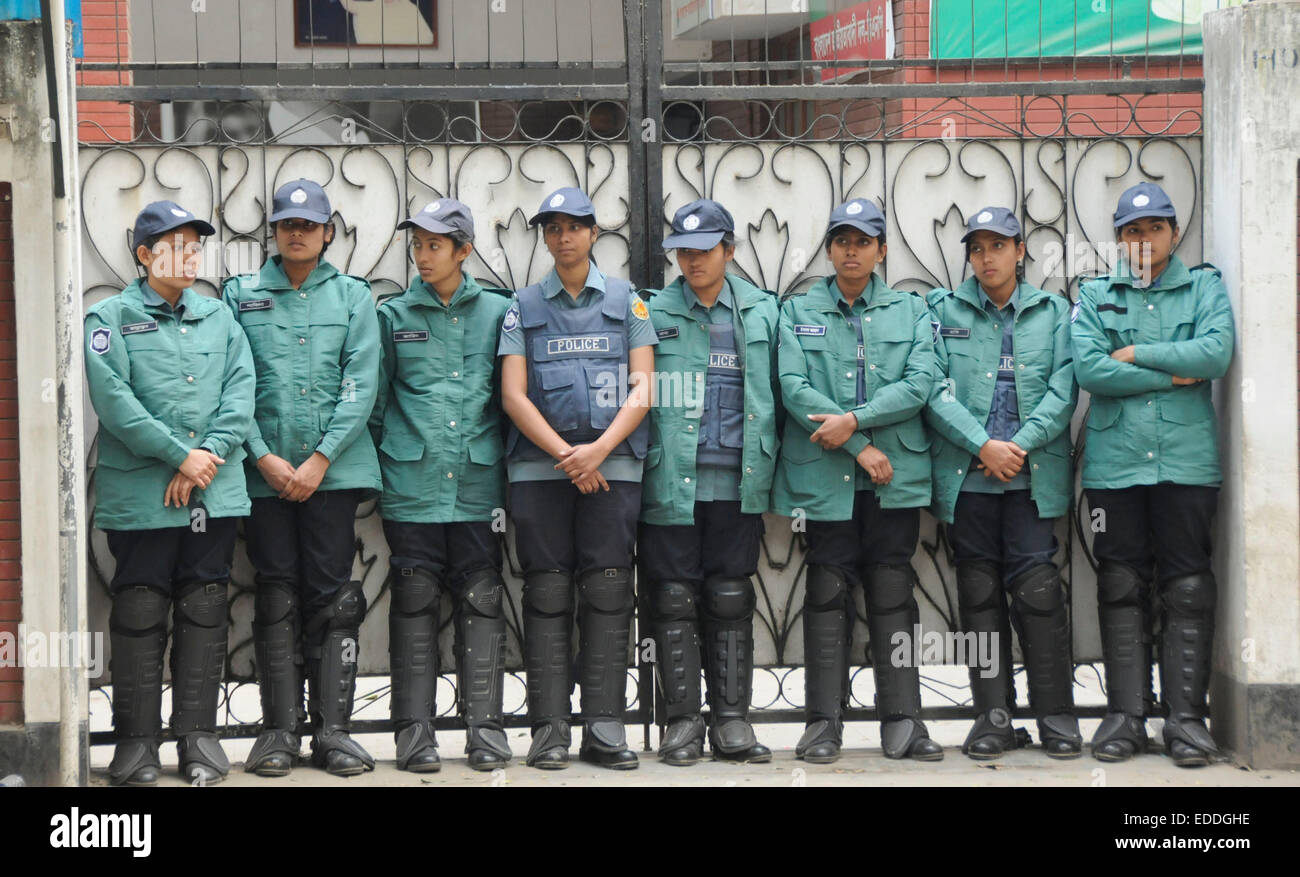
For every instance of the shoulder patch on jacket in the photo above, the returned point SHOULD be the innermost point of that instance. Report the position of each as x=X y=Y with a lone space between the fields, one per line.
x=100 y=339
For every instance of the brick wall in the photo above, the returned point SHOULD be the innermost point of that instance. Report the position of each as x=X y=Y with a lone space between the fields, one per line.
x=104 y=28
x=11 y=678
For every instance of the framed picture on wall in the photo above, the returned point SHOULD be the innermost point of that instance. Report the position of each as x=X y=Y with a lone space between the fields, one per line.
x=342 y=23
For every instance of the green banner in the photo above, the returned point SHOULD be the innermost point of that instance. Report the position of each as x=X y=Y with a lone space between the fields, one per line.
x=1033 y=28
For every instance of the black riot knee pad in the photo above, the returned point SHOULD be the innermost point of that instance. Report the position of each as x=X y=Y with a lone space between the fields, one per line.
x=1120 y=585
x=138 y=610
x=889 y=588
x=728 y=598
x=1039 y=591
x=979 y=584
x=202 y=604
x=548 y=594
x=826 y=589
x=672 y=601
x=608 y=591
x=414 y=592
x=273 y=603
x=345 y=610
x=483 y=593
x=1191 y=596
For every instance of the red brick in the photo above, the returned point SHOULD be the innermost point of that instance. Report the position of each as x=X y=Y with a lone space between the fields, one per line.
x=12 y=713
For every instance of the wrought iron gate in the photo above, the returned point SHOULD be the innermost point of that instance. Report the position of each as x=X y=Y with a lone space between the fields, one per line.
x=757 y=129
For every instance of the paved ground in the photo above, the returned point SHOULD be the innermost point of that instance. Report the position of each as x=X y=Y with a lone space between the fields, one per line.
x=862 y=765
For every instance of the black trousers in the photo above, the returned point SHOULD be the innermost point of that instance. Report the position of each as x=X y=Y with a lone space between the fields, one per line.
x=1003 y=529
x=450 y=551
x=558 y=527
x=1159 y=530
x=172 y=556
x=723 y=541
x=307 y=546
x=873 y=536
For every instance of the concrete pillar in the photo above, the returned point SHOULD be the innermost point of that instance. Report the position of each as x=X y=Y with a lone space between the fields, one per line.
x=49 y=748
x=1252 y=160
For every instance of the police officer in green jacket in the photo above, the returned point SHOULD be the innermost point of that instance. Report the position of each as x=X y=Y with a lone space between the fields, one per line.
x=856 y=364
x=311 y=461
x=171 y=379
x=707 y=483
x=437 y=424
x=1148 y=341
x=1001 y=410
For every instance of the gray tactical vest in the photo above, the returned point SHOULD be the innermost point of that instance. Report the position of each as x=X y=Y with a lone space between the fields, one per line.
x=722 y=424
x=577 y=369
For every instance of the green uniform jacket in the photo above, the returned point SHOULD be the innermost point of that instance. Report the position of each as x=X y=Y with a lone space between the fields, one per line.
x=437 y=418
x=967 y=351
x=681 y=365
x=161 y=387
x=819 y=376
x=1141 y=428
x=316 y=350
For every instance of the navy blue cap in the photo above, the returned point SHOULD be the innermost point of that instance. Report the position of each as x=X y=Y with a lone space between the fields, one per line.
x=699 y=225
x=569 y=201
x=444 y=216
x=1144 y=199
x=859 y=213
x=161 y=216
x=300 y=199
x=999 y=220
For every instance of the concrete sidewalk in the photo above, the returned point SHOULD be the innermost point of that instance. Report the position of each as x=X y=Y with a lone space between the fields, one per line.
x=863 y=764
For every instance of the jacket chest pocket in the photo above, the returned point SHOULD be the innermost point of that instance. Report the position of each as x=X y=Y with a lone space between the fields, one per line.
x=1033 y=364
x=887 y=349
x=1117 y=325
x=327 y=335
x=415 y=361
x=267 y=332
x=156 y=368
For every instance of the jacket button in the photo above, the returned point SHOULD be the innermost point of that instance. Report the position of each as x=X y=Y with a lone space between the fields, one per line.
x=1148 y=402
x=184 y=330
x=1035 y=465
x=848 y=477
x=303 y=391
x=304 y=446
x=302 y=340
x=873 y=366
x=749 y=470
x=302 y=295
x=848 y=374
x=687 y=480
x=1022 y=365
x=868 y=319
x=751 y=417
x=989 y=375
x=958 y=471
x=452 y=423
x=455 y=319
x=1150 y=455
x=191 y=433
x=455 y=374
x=190 y=379
x=690 y=429
x=1151 y=307
x=451 y=474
